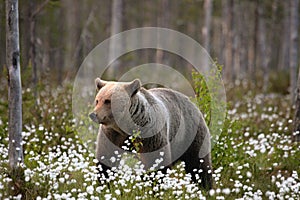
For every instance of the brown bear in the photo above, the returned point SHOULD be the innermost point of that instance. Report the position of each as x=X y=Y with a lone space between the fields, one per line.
x=171 y=127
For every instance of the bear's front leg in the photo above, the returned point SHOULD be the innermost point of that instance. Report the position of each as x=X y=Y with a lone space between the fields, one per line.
x=155 y=153
x=108 y=142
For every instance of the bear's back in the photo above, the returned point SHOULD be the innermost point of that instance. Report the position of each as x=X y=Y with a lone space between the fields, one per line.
x=179 y=105
x=172 y=98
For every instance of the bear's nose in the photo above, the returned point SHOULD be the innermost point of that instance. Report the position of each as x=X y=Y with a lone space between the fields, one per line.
x=93 y=116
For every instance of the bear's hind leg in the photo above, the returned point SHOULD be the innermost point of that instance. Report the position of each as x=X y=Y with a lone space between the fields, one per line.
x=202 y=168
x=206 y=174
x=199 y=167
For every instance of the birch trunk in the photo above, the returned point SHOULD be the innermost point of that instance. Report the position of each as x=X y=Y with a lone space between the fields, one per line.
x=14 y=84
x=115 y=46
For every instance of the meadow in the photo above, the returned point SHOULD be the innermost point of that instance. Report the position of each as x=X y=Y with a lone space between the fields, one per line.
x=254 y=157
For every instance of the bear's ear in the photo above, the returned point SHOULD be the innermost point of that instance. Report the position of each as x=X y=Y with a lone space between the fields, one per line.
x=99 y=84
x=133 y=87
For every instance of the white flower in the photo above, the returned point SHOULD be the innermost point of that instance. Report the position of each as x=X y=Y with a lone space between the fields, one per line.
x=55 y=186
x=212 y=192
x=127 y=190
x=118 y=192
x=246 y=134
x=249 y=174
x=113 y=159
x=90 y=189
x=226 y=191
x=27 y=178
x=62 y=180
x=107 y=196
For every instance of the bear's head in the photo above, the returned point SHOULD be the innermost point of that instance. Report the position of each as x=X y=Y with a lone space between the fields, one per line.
x=112 y=101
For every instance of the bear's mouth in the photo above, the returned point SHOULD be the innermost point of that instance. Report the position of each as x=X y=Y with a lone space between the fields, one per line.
x=95 y=118
x=103 y=121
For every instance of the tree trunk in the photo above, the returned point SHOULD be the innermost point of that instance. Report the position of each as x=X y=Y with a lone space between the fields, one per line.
x=73 y=23
x=255 y=40
x=243 y=39
x=264 y=56
x=294 y=5
x=14 y=84
x=207 y=24
x=235 y=38
x=206 y=30
x=162 y=21
x=2 y=40
x=32 y=50
x=227 y=31
x=296 y=132
x=274 y=36
x=284 y=55
x=294 y=63
x=114 y=46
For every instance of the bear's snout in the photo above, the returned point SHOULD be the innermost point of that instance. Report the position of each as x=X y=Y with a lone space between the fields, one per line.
x=93 y=117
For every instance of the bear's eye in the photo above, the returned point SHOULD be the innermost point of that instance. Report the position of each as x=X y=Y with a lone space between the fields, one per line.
x=96 y=102
x=107 y=101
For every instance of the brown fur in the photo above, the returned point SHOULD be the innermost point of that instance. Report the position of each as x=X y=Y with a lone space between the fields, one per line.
x=168 y=121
